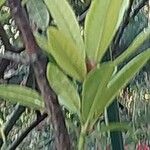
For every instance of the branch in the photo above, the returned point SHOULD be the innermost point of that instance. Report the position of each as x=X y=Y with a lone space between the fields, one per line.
x=27 y=131
x=23 y=59
x=53 y=108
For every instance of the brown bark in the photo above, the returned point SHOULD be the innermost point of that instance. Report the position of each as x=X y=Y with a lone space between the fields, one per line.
x=62 y=139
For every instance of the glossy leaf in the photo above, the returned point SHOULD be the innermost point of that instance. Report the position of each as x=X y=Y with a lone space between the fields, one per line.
x=138 y=41
x=66 y=54
x=65 y=90
x=66 y=21
x=38 y=13
x=93 y=86
x=22 y=95
x=120 y=80
x=102 y=21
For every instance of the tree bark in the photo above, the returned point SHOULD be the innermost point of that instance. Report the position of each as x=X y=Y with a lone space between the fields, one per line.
x=39 y=62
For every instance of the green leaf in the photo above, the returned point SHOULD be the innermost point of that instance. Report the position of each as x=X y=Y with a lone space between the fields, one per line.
x=38 y=13
x=2 y=2
x=93 y=87
x=116 y=83
x=121 y=79
x=66 y=21
x=138 y=41
x=22 y=95
x=65 y=90
x=66 y=54
x=117 y=126
x=42 y=42
x=102 y=21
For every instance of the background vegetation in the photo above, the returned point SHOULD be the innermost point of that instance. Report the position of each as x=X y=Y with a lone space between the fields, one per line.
x=23 y=127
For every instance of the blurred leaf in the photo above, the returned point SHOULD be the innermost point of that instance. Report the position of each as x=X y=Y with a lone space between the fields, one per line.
x=2 y=134
x=3 y=17
x=38 y=13
x=66 y=22
x=65 y=90
x=138 y=41
x=117 y=126
x=101 y=25
x=22 y=95
x=93 y=86
x=66 y=54
x=2 y=2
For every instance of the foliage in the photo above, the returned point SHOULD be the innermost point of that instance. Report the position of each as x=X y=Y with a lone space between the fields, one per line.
x=23 y=95
x=82 y=91
x=109 y=84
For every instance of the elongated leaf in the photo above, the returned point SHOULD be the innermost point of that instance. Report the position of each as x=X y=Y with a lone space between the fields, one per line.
x=42 y=42
x=117 y=126
x=93 y=87
x=66 y=21
x=66 y=54
x=120 y=80
x=102 y=21
x=66 y=92
x=139 y=40
x=126 y=73
x=38 y=13
x=23 y=95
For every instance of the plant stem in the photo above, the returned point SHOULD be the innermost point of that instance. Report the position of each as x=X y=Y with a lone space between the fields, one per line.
x=81 y=143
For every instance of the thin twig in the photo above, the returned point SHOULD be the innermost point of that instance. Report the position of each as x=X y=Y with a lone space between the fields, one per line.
x=15 y=57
